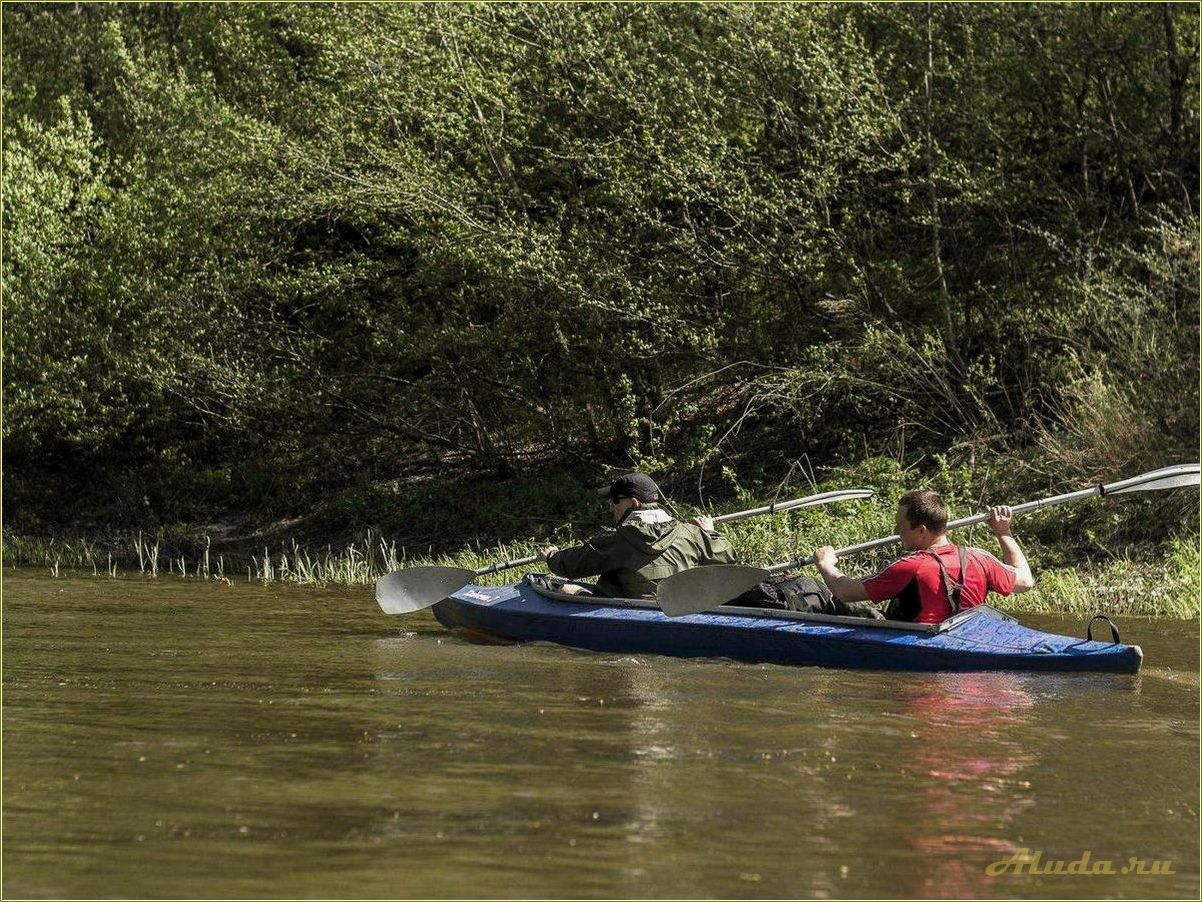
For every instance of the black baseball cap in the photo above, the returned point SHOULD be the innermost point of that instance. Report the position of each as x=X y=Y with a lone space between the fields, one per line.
x=632 y=485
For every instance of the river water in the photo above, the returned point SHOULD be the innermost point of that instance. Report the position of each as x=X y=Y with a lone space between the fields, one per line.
x=177 y=738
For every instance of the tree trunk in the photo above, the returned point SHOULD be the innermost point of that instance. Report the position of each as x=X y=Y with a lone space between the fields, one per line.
x=945 y=307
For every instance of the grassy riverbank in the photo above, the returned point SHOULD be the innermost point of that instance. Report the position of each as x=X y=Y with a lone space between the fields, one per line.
x=1133 y=555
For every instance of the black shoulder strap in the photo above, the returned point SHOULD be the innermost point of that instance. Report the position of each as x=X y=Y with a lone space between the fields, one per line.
x=953 y=590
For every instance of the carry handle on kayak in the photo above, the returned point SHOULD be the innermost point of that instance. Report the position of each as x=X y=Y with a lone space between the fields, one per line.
x=415 y=588
x=705 y=588
x=1114 y=630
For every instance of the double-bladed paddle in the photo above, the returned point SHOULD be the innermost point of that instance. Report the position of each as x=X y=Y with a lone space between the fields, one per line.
x=704 y=588
x=415 y=588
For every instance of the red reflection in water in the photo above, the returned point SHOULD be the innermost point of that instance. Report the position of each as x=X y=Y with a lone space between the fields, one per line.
x=967 y=769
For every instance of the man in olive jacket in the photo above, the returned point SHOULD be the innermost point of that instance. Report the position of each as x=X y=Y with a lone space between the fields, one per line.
x=645 y=546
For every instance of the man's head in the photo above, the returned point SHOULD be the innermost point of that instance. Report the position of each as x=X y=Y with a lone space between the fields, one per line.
x=921 y=519
x=631 y=490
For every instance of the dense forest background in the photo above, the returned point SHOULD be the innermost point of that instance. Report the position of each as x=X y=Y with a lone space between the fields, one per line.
x=414 y=266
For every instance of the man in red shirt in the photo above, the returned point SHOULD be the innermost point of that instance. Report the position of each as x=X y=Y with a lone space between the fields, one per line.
x=936 y=579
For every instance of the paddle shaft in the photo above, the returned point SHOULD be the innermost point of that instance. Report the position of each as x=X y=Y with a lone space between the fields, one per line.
x=509 y=565
x=781 y=507
x=1066 y=498
x=776 y=508
x=701 y=589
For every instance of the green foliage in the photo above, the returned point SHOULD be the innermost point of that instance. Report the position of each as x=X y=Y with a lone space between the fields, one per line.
x=258 y=257
x=1166 y=587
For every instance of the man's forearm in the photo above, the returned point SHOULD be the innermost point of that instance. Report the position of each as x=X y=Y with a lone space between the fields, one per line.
x=844 y=588
x=577 y=562
x=1012 y=556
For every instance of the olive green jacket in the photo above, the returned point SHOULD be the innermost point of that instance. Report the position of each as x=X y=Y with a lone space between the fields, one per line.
x=645 y=547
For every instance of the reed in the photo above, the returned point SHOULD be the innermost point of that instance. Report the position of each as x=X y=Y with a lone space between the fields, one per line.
x=1161 y=580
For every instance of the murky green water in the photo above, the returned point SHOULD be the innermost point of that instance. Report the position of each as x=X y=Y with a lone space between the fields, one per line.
x=172 y=738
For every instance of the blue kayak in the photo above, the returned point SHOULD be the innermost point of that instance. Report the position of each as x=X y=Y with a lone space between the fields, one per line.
x=981 y=638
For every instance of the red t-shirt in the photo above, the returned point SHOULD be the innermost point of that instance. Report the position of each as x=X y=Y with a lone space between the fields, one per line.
x=920 y=571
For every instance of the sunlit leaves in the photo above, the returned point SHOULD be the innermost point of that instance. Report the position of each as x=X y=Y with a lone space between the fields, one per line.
x=337 y=238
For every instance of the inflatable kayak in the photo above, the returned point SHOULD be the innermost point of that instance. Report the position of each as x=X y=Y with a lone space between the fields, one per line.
x=981 y=638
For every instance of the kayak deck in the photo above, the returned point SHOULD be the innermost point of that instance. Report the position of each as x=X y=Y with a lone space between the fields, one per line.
x=981 y=638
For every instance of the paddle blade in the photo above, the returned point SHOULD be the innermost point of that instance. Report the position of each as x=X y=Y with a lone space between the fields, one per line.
x=409 y=590
x=705 y=588
x=1166 y=478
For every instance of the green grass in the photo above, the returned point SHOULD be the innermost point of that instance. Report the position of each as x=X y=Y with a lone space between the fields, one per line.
x=1076 y=572
x=1166 y=588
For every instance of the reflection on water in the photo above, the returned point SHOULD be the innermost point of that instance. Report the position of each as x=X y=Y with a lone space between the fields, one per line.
x=314 y=747
x=963 y=725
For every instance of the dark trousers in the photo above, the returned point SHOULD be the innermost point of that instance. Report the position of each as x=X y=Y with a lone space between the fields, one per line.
x=803 y=593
